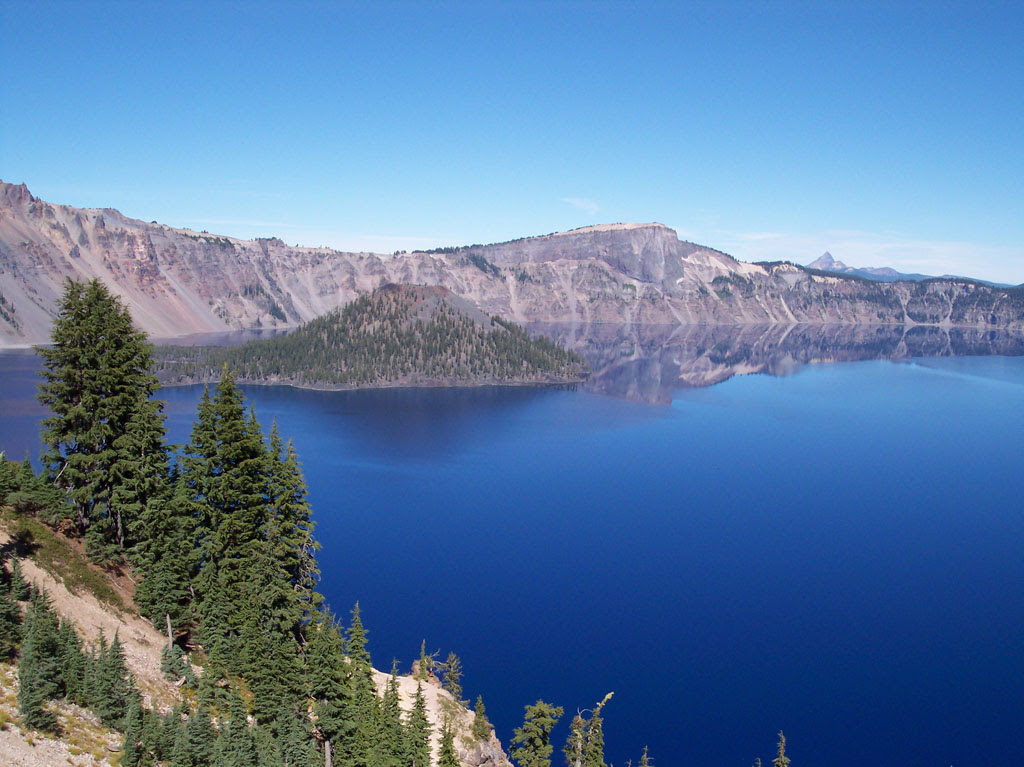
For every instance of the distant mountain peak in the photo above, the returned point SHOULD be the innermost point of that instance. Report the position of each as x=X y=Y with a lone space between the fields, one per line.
x=827 y=263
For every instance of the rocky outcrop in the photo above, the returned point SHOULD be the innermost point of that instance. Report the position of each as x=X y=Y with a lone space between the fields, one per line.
x=178 y=281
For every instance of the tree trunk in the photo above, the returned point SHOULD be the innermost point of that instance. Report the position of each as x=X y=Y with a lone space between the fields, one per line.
x=327 y=753
x=170 y=636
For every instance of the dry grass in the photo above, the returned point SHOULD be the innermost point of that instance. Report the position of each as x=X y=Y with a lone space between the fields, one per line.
x=60 y=557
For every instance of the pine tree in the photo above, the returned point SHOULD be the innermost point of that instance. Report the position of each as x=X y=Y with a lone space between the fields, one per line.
x=201 y=736
x=31 y=494
x=96 y=383
x=165 y=557
x=481 y=726
x=20 y=590
x=645 y=760
x=10 y=624
x=293 y=526
x=417 y=748
x=453 y=676
x=446 y=756
x=236 y=746
x=781 y=760
x=294 y=738
x=268 y=752
x=328 y=685
x=223 y=471
x=113 y=684
x=389 y=743
x=363 y=691
x=181 y=751
x=575 y=743
x=38 y=669
x=131 y=746
x=531 y=743
x=72 y=663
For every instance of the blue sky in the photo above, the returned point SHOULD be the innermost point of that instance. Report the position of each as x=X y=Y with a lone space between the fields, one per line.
x=887 y=133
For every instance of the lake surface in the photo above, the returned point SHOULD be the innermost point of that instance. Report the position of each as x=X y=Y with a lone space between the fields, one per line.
x=836 y=553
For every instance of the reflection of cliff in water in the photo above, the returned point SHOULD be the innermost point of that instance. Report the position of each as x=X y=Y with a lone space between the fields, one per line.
x=648 y=362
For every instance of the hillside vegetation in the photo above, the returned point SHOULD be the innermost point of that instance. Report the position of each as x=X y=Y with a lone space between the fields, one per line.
x=398 y=335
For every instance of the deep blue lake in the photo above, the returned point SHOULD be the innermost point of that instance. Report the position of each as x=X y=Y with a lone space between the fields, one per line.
x=838 y=553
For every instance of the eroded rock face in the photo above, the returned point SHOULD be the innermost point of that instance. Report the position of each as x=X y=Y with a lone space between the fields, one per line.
x=177 y=282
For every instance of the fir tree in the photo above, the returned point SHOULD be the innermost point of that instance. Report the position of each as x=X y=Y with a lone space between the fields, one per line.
x=329 y=686
x=96 y=383
x=236 y=746
x=531 y=743
x=363 y=691
x=781 y=760
x=481 y=725
x=200 y=736
x=453 y=676
x=20 y=589
x=645 y=760
x=10 y=624
x=131 y=747
x=417 y=748
x=181 y=752
x=585 y=745
x=446 y=755
x=165 y=555
x=38 y=669
x=73 y=663
x=113 y=684
x=389 y=743
x=292 y=526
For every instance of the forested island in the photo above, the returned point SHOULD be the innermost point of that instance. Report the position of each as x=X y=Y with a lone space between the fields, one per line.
x=399 y=335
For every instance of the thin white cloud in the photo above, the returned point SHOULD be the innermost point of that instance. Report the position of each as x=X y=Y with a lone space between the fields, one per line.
x=588 y=206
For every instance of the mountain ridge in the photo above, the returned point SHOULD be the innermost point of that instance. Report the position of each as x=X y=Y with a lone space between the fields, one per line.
x=177 y=282
x=827 y=263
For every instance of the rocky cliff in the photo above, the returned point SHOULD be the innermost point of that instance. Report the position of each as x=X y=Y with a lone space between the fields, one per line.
x=177 y=281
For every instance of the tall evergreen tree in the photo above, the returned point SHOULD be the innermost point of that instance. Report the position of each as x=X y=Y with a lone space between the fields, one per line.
x=20 y=589
x=446 y=756
x=38 y=668
x=363 y=691
x=453 y=676
x=585 y=745
x=389 y=742
x=97 y=384
x=329 y=688
x=201 y=736
x=781 y=760
x=72 y=661
x=293 y=525
x=131 y=747
x=417 y=749
x=481 y=725
x=113 y=684
x=10 y=624
x=531 y=743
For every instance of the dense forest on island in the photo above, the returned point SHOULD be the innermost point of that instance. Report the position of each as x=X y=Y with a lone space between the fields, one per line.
x=218 y=539
x=398 y=335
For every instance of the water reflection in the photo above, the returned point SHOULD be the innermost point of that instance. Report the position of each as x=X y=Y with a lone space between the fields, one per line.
x=646 y=363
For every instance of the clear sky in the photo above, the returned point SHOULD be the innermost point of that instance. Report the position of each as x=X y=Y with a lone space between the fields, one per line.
x=887 y=133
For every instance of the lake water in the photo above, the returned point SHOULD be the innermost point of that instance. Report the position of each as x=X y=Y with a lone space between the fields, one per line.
x=836 y=553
